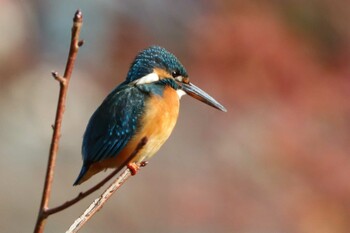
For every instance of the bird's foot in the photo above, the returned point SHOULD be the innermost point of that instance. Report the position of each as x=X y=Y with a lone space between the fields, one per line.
x=134 y=167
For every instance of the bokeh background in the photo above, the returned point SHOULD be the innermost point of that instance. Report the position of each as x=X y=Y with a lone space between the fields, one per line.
x=277 y=161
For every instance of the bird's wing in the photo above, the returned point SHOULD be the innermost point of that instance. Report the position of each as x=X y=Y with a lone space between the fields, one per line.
x=113 y=124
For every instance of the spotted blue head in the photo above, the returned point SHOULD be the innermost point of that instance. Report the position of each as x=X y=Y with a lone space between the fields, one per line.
x=155 y=65
x=155 y=58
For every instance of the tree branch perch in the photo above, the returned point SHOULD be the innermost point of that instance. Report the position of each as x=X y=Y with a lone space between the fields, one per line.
x=44 y=210
x=64 y=82
x=98 y=203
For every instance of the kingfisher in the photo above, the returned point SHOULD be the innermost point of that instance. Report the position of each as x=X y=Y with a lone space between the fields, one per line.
x=144 y=106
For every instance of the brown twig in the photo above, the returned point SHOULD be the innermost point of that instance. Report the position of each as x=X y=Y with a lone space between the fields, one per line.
x=98 y=203
x=64 y=81
x=81 y=195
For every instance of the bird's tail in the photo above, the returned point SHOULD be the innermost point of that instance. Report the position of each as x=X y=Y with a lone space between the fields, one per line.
x=82 y=173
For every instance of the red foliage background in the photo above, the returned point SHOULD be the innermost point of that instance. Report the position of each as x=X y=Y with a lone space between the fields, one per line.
x=278 y=161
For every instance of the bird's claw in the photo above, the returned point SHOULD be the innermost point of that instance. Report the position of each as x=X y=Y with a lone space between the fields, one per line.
x=134 y=167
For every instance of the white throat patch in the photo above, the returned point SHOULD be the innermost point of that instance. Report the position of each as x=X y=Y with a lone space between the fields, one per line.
x=180 y=93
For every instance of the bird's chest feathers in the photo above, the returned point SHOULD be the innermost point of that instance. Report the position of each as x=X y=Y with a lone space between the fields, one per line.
x=159 y=120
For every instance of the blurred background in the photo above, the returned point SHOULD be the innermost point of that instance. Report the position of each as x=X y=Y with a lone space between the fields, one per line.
x=277 y=161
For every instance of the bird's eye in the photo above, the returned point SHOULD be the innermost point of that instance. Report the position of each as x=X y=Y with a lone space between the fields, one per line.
x=175 y=73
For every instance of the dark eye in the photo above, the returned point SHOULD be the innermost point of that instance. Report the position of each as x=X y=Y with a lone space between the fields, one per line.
x=175 y=73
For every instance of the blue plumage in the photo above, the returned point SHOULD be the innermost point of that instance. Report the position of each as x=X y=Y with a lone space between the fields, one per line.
x=112 y=125
x=152 y=57
x=118 y=119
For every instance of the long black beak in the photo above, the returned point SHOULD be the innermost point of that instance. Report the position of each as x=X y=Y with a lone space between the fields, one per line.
x=200 y=95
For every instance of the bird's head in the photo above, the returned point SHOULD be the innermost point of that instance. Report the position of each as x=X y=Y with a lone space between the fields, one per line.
x=155 y=65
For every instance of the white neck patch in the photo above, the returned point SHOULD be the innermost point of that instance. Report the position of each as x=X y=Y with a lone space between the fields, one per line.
x=149 y=78
x=180 y=93
x=153 y=77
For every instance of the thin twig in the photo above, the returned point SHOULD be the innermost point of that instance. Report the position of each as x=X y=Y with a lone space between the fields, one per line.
x=81 y=195
x=98 y=203
x=64 y=81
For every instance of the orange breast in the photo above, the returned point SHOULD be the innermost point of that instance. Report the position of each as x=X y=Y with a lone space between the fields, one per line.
x=157 y=124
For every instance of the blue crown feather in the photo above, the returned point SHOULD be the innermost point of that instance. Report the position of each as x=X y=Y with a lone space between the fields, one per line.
x=154 y=57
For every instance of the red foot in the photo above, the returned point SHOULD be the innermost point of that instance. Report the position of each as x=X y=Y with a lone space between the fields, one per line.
x=134 y=167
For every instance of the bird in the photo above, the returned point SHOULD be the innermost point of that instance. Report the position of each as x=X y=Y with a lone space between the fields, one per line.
x=143 y=107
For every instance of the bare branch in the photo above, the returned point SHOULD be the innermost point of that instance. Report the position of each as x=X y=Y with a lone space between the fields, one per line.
x=100 y=201
x=64 y=81
x=58 y=77
x=44 y=210
x=81 y=195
